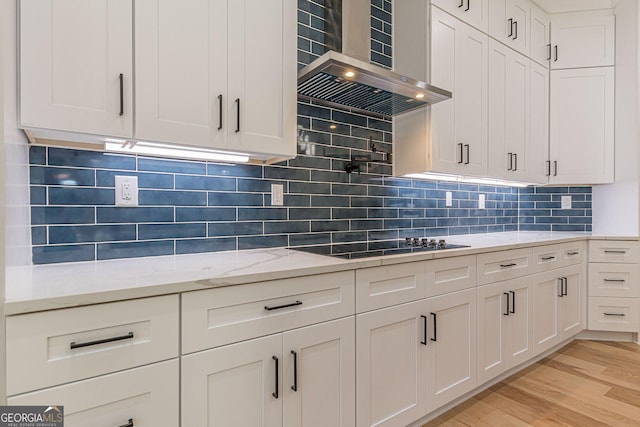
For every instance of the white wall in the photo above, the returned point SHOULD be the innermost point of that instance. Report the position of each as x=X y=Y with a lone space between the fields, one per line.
x=17 y=226
x=616 y=206
x=2 y=222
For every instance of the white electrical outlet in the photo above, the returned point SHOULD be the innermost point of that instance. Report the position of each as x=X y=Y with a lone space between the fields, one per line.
x=566 y=202
x=127 y=191
x=449 y=199
x=277 y=195
x=481 y=199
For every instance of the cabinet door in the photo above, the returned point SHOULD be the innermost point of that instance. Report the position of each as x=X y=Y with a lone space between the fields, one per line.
x=319 y=378
x=520 y=347
x=493 y=313
x=509 y=23
x=451 y=350
x=508 y=112
x=459 y=56
x=146 y=395
x=582 y=40
x=571 y=303
x=181 y=70
x=262 y=76
x=390 y=365
x=537 y=151
x=72 y=54
x=546 y=295
x=540 y=32
x=236 y=385
x=582 y=126
x=474 y=13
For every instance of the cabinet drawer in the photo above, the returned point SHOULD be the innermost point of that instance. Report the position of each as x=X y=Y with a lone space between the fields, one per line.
x=614 y=251
x=389 y=285
x=60 y=346
x=498 y=266
x=147 y=395
x=614 y=314
x=614 y=280
x=215 y=317
x=556 y=256
x=450 y=275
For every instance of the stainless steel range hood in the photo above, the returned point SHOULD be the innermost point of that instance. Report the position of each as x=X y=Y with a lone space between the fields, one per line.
x=348 y=79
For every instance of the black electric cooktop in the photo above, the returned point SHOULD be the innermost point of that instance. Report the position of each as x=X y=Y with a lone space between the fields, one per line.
x=379 y=248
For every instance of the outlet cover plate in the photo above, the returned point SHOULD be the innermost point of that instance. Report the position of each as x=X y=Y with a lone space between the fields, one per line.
x=126 y=191
x=566 y=202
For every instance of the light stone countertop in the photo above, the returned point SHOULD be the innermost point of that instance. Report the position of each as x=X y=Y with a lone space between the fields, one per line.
x=53 y=286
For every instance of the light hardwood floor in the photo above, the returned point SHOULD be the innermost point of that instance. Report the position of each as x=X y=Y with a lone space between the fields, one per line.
x=586 y=383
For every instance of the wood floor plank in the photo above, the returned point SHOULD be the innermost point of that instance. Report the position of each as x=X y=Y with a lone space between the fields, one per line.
x=584 y=384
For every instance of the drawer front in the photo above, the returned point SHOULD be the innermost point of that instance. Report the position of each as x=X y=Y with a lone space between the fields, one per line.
x=548 y=257
x=498 y=266
x=220 y=316
x=450 y=274
x=389 y=285
x=147 y=395
x=55 y=347
x=614 y=314
x=619 y=251
x=614 y=280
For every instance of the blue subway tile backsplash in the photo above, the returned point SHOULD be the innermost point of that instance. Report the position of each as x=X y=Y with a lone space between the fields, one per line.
x=193 y=207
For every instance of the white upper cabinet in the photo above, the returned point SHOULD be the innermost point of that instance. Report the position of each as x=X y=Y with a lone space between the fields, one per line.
x=508 y=112
x=581 y=145
x=538 y=148
x=509 y=23
x=76 y=66
x=582 y=40
x=473 y=12
x=217 y=73
x=181 y=48
x=539 y=24
x=459 y=63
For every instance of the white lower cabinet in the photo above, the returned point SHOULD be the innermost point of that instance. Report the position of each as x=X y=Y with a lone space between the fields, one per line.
x=391 y=376
x=145 y=396
x=505 y=326
x=249 y=383
x=452 y=347
x=557 y=306
x=414 y=358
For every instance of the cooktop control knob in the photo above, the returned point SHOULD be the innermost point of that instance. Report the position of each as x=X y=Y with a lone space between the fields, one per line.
x=442 y=244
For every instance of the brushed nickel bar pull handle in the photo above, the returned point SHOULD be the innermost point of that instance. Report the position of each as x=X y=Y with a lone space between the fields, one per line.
x=515 y=24
x=555 y=168
x=468 y=159
x=468 y=6
x=461 y=3
x=277 y=307
x=573 y=253
x=559 y=280
x=549 y=52
x=614 y=280
x=121 y=77
x=548 y=162
x=424 y=321
x=461 y=153
x=615 y=314
x=515 y=161
x=510 y=21
x=75 y=345
x=548 y=258
x=510 y=168
x=565 y=281
x=609 y=251
x=129 y=424
x=555 y=56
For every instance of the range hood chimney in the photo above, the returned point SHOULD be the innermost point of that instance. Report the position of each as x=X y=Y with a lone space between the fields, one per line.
x=344 y=75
